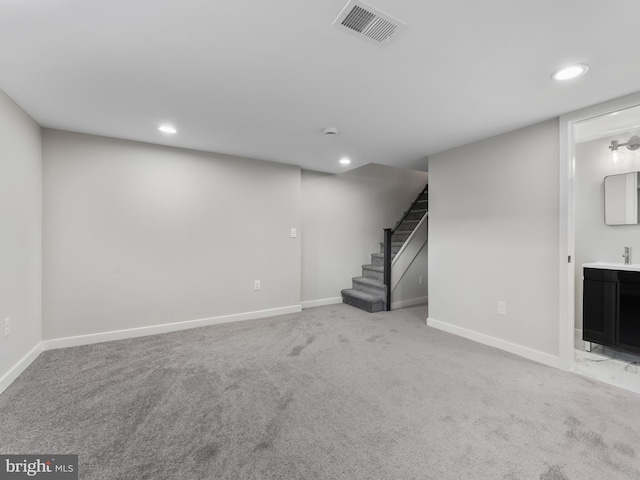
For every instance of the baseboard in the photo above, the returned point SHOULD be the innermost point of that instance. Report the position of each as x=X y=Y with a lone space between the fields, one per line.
x=409 y=303
x=164 y=328
x=578 y=342
x=322 y=302
x=8 y=378
x=526 y=352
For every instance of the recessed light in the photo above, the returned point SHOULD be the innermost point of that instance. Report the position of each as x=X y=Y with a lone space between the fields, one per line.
x=167 y=129
x=568 y=73
x=345 y=161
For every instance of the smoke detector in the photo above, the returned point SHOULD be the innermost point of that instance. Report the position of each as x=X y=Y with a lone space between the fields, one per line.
x=368 y=23
x=330 y=131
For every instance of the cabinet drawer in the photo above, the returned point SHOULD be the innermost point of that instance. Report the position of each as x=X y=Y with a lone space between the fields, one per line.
x=602 y=275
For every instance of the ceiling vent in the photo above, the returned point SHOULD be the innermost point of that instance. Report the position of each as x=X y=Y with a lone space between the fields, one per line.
x=368 y=23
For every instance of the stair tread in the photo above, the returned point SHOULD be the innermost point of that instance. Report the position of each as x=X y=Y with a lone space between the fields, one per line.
x=377 y=268
x=369 y=297
x=369 y=281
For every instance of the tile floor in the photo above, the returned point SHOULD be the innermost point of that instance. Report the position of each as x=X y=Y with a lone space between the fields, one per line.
x=609 y=366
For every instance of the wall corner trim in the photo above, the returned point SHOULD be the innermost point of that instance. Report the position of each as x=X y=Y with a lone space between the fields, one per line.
x=164 y=328
x=526 y=352
x=322 y=302
x=15 y=371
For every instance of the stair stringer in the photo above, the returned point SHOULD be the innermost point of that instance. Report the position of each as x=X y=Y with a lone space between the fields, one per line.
x=408 y=254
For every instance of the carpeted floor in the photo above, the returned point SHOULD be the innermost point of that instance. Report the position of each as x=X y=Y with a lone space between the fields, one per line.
x=331 y=393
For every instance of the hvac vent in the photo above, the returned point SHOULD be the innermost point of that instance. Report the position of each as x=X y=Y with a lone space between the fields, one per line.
x=368 y=23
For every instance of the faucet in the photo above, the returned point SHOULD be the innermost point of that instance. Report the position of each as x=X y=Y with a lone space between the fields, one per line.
x=627 y=255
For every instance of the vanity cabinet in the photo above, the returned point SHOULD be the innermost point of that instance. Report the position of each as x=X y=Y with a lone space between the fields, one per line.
x=611 y=308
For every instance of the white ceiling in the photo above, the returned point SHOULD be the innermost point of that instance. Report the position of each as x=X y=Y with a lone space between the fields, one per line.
x=261 y=79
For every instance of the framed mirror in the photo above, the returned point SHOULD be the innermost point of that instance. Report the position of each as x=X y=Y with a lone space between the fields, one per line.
x=621 y=199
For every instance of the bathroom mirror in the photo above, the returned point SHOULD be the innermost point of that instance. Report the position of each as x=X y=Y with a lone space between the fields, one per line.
x=621 y=199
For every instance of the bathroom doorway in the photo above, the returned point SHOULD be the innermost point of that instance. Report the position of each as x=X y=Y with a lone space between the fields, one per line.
x=585 y=160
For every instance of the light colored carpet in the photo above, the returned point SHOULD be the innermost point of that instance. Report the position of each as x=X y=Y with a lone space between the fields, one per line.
x=331 y=393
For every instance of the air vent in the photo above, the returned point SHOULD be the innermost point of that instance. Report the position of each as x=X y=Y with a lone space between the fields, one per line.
x=368 y=23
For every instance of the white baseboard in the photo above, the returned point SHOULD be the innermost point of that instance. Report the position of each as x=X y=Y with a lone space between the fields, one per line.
x=409 y=303
x=8 y=378
x=164 y=328
x=79 y=340
x=322 y=302
x=578 y=342
x=526 y=352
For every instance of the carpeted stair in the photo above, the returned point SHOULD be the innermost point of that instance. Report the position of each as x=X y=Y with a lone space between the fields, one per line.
x=368 y=292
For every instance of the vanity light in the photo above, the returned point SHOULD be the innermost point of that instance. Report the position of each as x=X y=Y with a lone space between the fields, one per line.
x=568 y=73
x=345 y=161
x=616 y=156
x=167 y=129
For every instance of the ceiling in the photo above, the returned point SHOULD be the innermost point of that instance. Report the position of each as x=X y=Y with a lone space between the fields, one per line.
x=261 y=79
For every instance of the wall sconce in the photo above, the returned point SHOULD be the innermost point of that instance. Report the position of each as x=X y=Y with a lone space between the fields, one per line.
x=616 y=156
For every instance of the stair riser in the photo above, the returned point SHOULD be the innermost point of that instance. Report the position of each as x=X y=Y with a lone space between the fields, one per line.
x=415 y=215
x=373 y=274
x=400 y=237
x=363 y=287
x=362 y=305
x=394 y=249
x=377 y=260
x=408 y=225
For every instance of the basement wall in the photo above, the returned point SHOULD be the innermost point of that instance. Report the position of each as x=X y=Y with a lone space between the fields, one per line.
x=493 y=236
x=139 y=235
x=20 y=237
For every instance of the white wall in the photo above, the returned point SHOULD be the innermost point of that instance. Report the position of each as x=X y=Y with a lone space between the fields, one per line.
x=493 y=235
x=596 y=241
x=342 y=219
x=137 y=235
x=20 y=234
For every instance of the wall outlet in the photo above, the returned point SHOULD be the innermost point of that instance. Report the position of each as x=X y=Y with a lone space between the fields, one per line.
x=256 y=285
x=502 y=308
x=7 y=326
x=294 y=233
x=420 y=279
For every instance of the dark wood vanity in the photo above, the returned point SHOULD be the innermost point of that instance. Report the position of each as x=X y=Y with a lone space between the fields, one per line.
x=611 y=307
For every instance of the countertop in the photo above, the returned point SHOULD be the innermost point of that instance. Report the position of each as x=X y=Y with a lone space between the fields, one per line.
x=634 y=267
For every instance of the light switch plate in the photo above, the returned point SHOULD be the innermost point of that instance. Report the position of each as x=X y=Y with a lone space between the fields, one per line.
x=294 y=233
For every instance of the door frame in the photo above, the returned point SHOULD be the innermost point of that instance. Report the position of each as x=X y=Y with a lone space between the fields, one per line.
x=567 y=218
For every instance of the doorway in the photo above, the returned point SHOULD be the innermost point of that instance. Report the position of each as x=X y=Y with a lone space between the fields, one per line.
x=583 y=134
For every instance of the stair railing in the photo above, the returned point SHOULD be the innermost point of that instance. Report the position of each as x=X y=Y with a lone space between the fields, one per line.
x=388 y=239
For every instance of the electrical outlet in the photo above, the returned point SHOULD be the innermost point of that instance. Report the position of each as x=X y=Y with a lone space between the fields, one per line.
x=7 y=326
x=420 y=279
x=256 y=285
x=294 y=233
x=502 y=308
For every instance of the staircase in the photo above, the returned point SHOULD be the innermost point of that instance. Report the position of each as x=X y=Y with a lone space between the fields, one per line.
x=369 y=291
